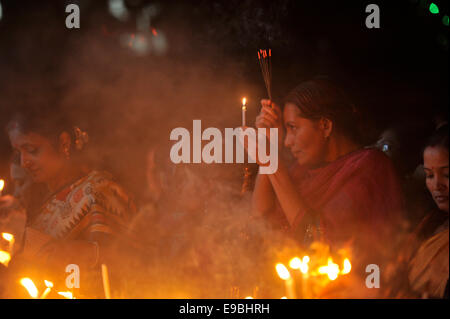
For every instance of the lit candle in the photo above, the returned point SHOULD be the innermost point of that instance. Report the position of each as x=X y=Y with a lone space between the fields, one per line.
x=302 y=266
x=66 y=294
x=10 y=239
x=244 y=109
x=284 y=274
x=5 y=258
x=47 y=290
x=30 y=287
x=106 y=281
x=2 y=185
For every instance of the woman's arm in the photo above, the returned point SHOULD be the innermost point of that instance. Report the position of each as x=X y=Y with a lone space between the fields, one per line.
x=287 y=194
x=263 y=199
x=279 y=185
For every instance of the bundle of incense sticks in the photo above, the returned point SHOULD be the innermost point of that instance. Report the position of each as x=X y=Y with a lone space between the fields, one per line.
x=266 y=69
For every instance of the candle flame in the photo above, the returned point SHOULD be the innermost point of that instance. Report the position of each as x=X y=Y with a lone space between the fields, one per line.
x=2 y=184
x=66 y=294
x=8 y=237
x=5 y=258
x=347 y=266
x=282 y=271
x=249 y=297
x=332 y=269
x=49 y=284
x=295 y=263
x=301 y=264
x=29 y=286
x=244 y=101
x=284 y=297
x=304 y=265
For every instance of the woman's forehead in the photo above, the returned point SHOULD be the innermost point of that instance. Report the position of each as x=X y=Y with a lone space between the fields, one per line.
x=435 y=157
x=19 y=138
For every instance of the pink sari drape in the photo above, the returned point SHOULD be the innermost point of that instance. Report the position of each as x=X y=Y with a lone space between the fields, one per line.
x=358 y=197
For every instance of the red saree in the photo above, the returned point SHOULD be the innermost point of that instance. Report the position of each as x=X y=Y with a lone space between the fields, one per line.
x=357 y=197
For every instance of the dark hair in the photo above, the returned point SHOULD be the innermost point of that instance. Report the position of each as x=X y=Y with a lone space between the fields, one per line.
x=45 y=122
x=439 y=138
x=321 y=98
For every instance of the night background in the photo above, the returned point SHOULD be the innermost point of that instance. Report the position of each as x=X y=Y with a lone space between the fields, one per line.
x=137 y=69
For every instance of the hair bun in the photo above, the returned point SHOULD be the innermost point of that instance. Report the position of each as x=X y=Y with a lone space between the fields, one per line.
x=81 y=138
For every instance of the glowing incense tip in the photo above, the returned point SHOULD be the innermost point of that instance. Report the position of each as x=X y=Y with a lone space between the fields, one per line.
x=282 y=271
x=30 y=287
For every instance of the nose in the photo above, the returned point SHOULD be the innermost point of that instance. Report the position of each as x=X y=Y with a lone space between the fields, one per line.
x=25 y=161
x=439 y=183
x=288 y=140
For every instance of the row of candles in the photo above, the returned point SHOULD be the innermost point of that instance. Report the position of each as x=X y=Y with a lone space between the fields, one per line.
x=331 y=271
x=29 y=285
x=300 y=269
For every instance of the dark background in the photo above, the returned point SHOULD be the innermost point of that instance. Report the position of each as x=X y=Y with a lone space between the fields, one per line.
x=127 y=101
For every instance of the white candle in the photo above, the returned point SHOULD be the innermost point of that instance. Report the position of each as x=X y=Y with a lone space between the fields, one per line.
x=2 y=185
x=47 y=290
x=10 y=239
x=244 y=109
x=106 y=281
x=284 y=274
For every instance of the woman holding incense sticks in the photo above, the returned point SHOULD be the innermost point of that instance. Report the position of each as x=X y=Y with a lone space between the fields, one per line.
x=86 y=212
x=336 y=191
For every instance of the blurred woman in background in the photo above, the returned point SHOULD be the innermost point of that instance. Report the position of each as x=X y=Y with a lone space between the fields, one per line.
x=428 y=269
x=85 y=213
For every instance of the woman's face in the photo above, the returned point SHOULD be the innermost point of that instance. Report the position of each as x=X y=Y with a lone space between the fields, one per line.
x=304 y=137
x=435 y=162
x=38 y=156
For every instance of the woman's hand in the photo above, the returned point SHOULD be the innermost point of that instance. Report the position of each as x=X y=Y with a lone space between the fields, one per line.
x=271 y=117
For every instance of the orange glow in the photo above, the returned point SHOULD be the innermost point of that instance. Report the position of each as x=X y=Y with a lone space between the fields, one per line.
x=249 y=297
x=283 y=272
x=154 y=32
x=66 y=294
x=30 y=287
x=284 y=297
x=347 y=266
x=244 y=101
x=5 y=258
x=332 y=269
x=2 y=185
